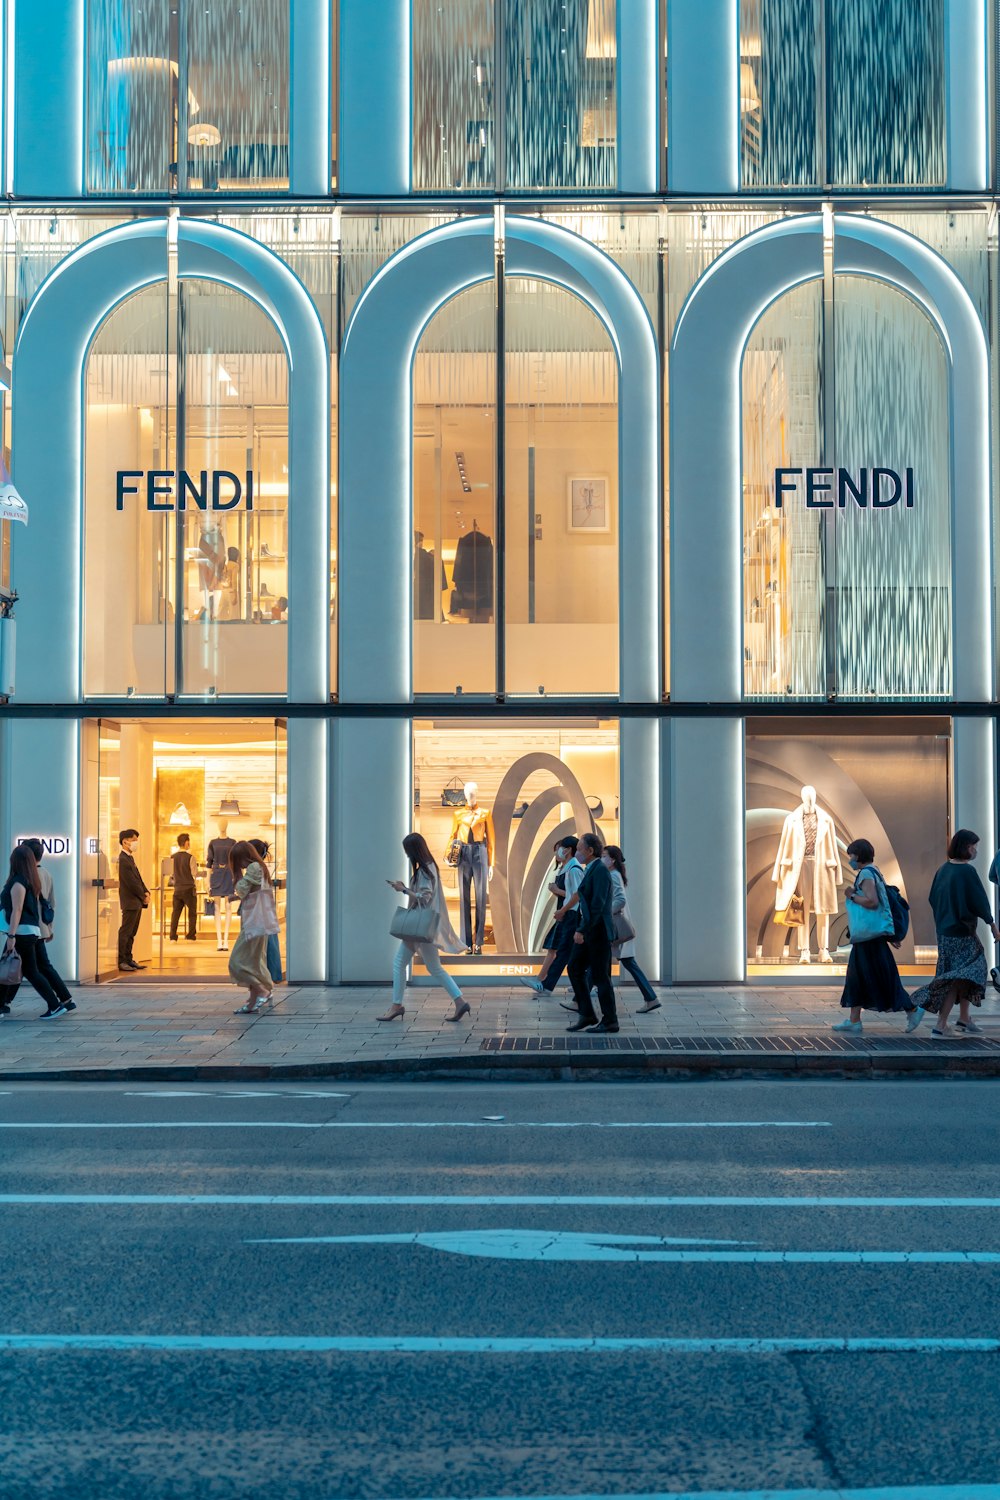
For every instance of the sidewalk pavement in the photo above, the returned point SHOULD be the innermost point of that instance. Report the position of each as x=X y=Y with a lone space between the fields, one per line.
x=121 y=1031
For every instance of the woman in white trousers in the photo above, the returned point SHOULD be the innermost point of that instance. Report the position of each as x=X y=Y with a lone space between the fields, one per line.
x=424 y=890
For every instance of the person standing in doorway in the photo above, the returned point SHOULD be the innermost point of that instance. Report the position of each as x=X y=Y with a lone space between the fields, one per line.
x=133 y=898
x=185 y=897
x=46 y=918
x=592 y=940
x=959 y=903
x=20 y=900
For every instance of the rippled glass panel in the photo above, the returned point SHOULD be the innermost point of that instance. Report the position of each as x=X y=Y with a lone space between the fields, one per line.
x=454 y=57
x=187 y=96
x=886 y=121
x=892 y=565
x=783 y=549
x=780 y=69
x=560 y=124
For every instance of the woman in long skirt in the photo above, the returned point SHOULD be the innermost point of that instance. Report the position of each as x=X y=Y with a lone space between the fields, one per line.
x=872 y=981
x=959 y=902
x=258 y=918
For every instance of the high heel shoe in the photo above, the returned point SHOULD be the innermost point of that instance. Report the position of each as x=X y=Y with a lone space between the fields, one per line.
x=395 y=1012
x=462 y=1008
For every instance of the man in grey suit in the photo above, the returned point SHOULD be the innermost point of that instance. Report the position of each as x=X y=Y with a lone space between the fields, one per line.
x=592 y=940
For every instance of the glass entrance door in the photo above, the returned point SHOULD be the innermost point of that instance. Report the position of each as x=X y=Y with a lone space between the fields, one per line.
x=105 y=856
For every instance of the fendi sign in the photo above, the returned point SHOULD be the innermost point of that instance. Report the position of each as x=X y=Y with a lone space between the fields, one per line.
x=826 y=488
x=213 y=489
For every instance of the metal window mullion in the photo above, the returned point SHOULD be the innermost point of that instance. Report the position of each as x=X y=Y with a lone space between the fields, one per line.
x=827 y=459
x=499 y=553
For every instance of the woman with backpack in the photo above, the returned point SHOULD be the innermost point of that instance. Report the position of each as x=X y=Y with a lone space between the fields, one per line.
x=959 y=902
x=873 y=981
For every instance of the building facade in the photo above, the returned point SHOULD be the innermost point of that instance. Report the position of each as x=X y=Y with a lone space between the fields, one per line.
x=590 y=399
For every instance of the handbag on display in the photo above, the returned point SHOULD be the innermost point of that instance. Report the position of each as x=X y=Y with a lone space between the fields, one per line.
x=453 y=795
x=793 y=915
x=623 y=929
x=864 y=923
x=10 y=967
x=417 y=923
x=454 y=854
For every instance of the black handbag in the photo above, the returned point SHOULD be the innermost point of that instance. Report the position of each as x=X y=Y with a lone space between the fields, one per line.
x=453 y=795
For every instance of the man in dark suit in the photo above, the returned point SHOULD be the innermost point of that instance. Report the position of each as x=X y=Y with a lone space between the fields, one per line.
x=133 y=898
x=592 y=940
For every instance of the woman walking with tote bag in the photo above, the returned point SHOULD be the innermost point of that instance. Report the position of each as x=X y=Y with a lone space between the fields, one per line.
x=872 y=981
x=422 y=926
x=258 y=919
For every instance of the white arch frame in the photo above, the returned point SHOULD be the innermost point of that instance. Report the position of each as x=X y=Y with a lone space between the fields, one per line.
x=376 y=447
x=709 y=340
x=703 y=96
x=49 y=363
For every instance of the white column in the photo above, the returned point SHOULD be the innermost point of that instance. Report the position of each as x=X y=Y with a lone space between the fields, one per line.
x=309 y=107
x=973 y=784
x=966 y=95
x=641 y=825
x=48 y=102
x=372 y=812
x=703 y=96
x=375 y=125
x=39 y=796
x=308 y=908
x=638 y=92
x=708 y=851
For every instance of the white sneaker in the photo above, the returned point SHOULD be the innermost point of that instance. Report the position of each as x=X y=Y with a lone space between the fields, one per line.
x=942 y=1033
x=533 y=984
x=915 y=1017
x=824 y=956
x=854 y=1027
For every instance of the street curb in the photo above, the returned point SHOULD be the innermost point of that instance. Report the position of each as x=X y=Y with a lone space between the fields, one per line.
x=542 y=1067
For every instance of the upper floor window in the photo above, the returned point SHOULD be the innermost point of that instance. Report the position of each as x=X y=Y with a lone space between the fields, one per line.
x=842 y=93
x=187 y=95
x=551 y=122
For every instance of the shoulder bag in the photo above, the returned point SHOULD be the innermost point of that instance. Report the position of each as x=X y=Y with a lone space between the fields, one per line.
x=623 y=929
x=863 y=923
x=10 y=966
x=793 y=915
x=418 y=924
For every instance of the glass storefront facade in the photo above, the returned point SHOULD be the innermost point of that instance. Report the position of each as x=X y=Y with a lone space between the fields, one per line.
x=521 y=417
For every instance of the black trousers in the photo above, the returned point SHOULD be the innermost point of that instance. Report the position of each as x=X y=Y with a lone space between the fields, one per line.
x=184 y=900
x=594 y=953
x=565 y=948
x=38 y=971
x=473 y=870
x=126 y=933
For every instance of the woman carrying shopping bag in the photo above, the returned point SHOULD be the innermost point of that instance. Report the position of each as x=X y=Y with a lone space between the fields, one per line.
x=422 y=927
x=258 y=920
x=872 y=981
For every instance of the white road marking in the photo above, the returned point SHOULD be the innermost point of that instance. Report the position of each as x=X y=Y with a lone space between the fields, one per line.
x=415 y=1125
x=230 y=1094
x=463 y=1200
x=880 y=1492
x=366 y=1344
x=565 y=1245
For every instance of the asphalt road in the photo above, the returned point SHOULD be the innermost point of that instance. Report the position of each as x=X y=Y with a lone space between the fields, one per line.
x=383 y=1291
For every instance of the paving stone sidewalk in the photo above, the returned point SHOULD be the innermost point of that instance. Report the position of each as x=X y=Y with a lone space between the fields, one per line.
x=121 y=1031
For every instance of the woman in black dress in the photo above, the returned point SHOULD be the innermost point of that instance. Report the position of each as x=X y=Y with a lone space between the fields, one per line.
x=873 y=981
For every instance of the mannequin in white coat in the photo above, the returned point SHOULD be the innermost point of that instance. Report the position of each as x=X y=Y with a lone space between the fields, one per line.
x=808 y=865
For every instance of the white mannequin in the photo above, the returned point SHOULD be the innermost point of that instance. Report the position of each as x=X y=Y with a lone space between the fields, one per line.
x=816 y=877
x=223 y=904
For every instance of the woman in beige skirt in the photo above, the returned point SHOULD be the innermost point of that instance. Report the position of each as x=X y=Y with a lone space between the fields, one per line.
x=258 y=919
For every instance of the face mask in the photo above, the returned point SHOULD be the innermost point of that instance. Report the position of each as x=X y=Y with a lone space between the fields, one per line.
x=854 y=864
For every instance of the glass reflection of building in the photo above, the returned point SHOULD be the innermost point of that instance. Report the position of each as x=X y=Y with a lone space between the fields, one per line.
x=554 y=530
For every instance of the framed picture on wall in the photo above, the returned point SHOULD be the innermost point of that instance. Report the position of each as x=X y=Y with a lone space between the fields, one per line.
x=587 y=503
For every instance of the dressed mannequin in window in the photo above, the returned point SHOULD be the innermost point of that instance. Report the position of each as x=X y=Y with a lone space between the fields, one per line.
x=808 y=865
x=473 y=576
x=221 y=886
x=472 y=829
